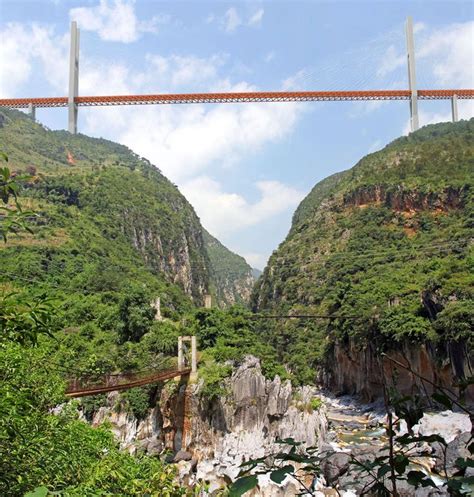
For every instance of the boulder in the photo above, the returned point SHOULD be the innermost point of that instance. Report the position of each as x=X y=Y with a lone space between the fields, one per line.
x=456 y=448
x=335 y=465
x=182 y=455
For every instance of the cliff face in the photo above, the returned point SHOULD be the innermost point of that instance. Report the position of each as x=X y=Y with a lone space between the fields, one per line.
x=210 y=439
x=355 y=369
x=231 y=276
x=386 y=248
x=99 y=198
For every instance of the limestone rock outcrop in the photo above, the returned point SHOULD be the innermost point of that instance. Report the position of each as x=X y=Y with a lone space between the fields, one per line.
x=218 y=435
x=355 y=369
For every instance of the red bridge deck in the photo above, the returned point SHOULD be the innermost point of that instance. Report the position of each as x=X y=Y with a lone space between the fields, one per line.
x=121 y=382
x=263 y=96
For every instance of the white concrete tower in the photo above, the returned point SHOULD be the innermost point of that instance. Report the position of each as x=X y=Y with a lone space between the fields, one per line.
x=412 y=75
x=73 y=78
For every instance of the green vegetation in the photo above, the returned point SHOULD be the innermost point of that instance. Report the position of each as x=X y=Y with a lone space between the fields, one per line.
x=57 y=450
x=79 y=275
x=110 y=234
x=233 y=278
x=386 y=246
x=228 y=336
x=106 y=219
x=43 y=444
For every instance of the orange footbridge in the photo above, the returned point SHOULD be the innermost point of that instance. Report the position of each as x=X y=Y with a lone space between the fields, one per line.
x=123 y=381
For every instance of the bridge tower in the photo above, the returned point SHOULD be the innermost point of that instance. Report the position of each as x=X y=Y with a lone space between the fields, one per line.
x=454 y=108
x=414 y=121
x=73 y=78
x=32 y=111
x=181 y=363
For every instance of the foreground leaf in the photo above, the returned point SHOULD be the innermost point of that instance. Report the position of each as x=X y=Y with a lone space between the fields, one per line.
x=280 y=474
x=242 y=485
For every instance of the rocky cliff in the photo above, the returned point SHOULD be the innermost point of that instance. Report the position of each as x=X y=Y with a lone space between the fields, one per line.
x=209 y=439
x=232 y=277
x=382 y=253
x=353 y=368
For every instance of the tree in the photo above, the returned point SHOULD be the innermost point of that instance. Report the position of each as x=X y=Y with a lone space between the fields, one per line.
x=136 y=314
x=12 y=218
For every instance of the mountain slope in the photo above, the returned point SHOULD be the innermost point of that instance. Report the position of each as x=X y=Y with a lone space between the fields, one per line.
x=102 y=209
x=387 y=245
x=232 y=277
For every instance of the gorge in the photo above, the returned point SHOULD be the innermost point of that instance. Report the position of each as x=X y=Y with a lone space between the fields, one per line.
x=372 y=288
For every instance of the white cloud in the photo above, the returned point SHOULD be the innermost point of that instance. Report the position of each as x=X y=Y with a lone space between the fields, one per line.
x=231 y=20
x=23 y=45
x=224 y=212
x=15 y=61
x=391 y=60
x=152 y=25
x=269 y=56
x=256 y=18
x=187 y=140
x=179 y=71
x=115 y=20
x=450 y=52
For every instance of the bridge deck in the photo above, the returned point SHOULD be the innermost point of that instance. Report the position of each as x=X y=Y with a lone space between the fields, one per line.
x=271 y=96
x=74 y=391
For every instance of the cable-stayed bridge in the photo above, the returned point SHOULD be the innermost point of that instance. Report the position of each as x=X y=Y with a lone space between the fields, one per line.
x=73 y=101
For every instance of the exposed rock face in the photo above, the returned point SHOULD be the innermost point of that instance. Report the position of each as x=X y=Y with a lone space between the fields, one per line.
x=402 y=199
x=356 y=369
x=385 y=246
x=212 y=438
x=231 y=276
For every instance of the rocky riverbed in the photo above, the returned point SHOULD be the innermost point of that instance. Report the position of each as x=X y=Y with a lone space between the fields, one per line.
x=208 y=440
x=358 y=432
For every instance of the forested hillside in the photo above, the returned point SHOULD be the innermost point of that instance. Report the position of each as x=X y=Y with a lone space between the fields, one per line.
x=387 y=248
x=106 y=217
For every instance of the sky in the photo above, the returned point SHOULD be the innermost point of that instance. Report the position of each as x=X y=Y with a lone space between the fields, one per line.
x=244 y=167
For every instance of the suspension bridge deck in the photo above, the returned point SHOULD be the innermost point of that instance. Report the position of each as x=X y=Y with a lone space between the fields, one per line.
x=111 y=383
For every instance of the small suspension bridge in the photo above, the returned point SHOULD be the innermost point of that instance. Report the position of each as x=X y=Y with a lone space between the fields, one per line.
x=86 y=386
x=73 y=101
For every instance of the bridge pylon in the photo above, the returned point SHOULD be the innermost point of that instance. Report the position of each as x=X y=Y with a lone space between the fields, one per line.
x=73 y=78
x=181 y=359
x=414 y=121
x=454 y=108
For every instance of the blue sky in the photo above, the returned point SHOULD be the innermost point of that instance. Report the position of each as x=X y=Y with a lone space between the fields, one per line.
x=244 y=167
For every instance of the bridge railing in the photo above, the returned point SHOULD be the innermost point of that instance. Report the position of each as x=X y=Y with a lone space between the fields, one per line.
x=84 y=382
